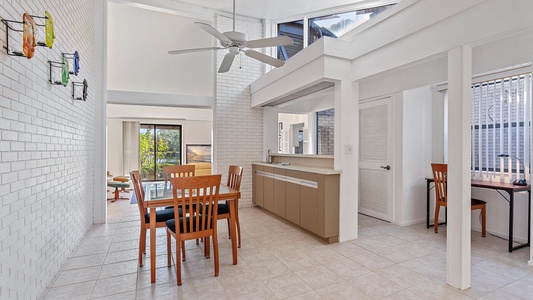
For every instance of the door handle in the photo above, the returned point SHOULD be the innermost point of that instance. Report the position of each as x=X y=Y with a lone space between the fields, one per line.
x=387 y=167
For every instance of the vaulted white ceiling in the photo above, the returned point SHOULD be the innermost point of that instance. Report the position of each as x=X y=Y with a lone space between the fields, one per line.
x=272 y=9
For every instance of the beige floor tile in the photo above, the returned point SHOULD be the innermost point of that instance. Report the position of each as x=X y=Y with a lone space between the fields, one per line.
x=319 y=277
x=402 y=276
x=375 y=285
x=120 y=256
x=122 y=296
x=402 y=295
x=197 y=286
x=77 y=276
x=269 y=269
x=161 y=291
x=311 y=295
x=121 y=268
x=279 y=261
x=299 y=261
x=343 y=290
x=85 y=261
x=436 y=290
x=115 y=285
x=287 y=285
x=84 y=250
x=72 y=291
x=347 y=268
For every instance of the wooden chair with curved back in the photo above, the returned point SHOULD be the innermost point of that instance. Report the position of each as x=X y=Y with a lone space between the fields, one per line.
x=161 y=215
x=440 y=173
x=234 y=182
x=201 y=194
x=177 y=171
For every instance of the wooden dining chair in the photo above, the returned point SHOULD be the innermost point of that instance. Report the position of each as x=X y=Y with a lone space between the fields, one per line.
x=201 y=194
x=234 y=182
x=161 y=215
x=440 y=173
x=177 y=171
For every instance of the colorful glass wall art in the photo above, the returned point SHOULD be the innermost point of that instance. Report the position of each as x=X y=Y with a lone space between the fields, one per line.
x=28 y=35
x=49 y=29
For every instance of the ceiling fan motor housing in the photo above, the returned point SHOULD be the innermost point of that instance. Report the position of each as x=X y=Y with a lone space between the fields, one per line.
x=238 y=39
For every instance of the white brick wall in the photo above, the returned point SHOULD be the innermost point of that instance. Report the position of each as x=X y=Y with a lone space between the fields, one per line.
x=237 y=128
x=46 y=150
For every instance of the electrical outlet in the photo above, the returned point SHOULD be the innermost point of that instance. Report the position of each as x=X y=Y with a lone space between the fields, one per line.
x=348 y=149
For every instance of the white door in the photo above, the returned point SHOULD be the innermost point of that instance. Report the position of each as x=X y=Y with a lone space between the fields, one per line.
x=375 y=175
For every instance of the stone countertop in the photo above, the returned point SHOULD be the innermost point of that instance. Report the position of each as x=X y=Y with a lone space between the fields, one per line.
x=302 y=168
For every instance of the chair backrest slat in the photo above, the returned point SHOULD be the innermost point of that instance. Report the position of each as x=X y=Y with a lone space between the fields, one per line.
x=199 y=194
x=139 y=192
x=440 y=173
x=235 y=177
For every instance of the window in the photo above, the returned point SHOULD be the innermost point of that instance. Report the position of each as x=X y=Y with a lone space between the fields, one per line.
x=325 y=132
x=331 y=25
x=338 y=24
x=159 y=145
x=294 y=30
x=501 y=126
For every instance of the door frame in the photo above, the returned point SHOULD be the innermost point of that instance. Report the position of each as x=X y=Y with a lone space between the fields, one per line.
x=389 y=100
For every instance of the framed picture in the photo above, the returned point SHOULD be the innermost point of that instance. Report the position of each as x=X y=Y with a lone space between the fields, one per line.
x=198 y=153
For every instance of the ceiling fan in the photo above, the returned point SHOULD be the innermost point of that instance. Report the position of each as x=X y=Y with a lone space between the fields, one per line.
x=236 y=42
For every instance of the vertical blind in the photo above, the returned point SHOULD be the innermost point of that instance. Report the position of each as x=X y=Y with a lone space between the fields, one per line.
x=501 y=128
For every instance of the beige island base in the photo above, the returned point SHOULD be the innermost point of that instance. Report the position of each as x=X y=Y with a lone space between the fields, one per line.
x=304 y=192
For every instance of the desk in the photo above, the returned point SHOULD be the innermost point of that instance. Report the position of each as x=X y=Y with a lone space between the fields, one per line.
x=166 y=199
x=497 y=186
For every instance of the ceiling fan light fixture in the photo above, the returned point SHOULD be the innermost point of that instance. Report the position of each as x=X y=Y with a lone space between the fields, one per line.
x=236 y=42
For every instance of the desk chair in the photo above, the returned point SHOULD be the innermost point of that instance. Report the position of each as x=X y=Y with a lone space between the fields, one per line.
x=161 y=215
x=440 y=172
x=200 y=193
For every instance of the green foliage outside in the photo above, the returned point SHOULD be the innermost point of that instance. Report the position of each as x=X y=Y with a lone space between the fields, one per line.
x=168 y=147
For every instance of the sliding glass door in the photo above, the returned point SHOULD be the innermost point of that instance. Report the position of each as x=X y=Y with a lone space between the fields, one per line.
x=159 y=145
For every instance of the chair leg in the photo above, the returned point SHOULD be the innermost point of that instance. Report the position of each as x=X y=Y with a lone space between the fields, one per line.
x=436 y=218
x=229 y=229
x=142 y=245
x=169 y=250
x=484 y=220
x=207 y=247
x=215 y=252
x=178 y=262
x=183 y=250
x=238 y=224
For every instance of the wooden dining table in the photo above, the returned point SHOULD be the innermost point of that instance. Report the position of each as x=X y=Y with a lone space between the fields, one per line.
x=165 y=198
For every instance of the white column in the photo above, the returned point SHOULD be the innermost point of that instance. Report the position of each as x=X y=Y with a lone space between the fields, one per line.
x=347 y=134
x=458 y=244
x=100 y=92
x=270 y=130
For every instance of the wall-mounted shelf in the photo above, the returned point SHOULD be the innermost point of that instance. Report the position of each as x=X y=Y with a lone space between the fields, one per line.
x=75 y=57
x=11 y=26
x=54 y=65
x=84 y=86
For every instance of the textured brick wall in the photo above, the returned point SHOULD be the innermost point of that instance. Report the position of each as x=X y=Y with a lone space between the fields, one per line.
x=237 y=128
x=46 y=150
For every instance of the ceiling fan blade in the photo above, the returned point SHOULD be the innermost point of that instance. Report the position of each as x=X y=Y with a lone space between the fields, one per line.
x=193 y=50
x=264 y=58
x=212 y=31
x=270 y=42
x=226 y=62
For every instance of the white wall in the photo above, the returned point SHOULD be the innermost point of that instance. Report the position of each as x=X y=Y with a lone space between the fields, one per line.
x=47 y=150
x=138 y=41
x=193 y=131
x=417 y=152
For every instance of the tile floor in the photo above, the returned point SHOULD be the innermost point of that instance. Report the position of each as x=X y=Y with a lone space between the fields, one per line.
x=279 y=261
